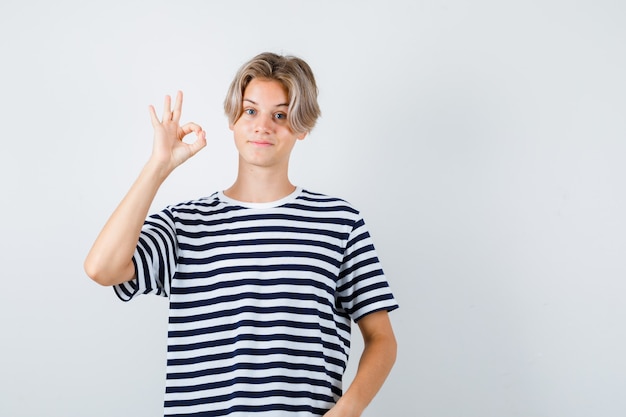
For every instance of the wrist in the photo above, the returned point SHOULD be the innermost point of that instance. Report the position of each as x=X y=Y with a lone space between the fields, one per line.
x=348 y=408
x=156 y=170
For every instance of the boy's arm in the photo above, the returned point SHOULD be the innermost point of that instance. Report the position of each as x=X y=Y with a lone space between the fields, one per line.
x=109 y=261
x=379 y=355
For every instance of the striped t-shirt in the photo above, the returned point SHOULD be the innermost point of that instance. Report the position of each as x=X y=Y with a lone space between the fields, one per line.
x=261 y=301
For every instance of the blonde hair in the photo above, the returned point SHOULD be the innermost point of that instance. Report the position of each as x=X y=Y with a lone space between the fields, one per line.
x=293 y=73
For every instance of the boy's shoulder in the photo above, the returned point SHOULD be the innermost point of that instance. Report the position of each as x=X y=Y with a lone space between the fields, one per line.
x=208 y=203
x=316 y=199
x=308 y=195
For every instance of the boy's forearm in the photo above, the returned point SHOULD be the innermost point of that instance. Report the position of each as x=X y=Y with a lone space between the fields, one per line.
x=377 y=359
x=374 y=367
x=109 y=261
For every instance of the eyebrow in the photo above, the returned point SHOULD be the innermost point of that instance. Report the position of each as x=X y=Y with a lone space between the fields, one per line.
x=256 y=104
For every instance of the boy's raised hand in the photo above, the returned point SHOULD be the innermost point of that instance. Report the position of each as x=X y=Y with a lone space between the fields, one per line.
x=169 y=150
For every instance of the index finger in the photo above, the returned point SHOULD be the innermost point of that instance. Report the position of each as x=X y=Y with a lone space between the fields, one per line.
x=178 y=107
x=153 y=116
x=191 y=127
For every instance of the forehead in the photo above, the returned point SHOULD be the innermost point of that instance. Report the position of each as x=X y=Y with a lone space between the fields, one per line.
x=265 y=91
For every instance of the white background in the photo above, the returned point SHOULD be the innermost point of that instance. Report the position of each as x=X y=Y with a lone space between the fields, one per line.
x=484 y=141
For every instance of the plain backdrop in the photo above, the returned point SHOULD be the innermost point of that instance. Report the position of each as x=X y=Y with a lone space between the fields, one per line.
x=484 y=141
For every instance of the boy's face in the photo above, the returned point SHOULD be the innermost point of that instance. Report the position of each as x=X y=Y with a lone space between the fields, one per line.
x=262 y=133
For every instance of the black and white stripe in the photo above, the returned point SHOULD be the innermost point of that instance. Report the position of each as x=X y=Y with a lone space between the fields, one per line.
x=261 y=299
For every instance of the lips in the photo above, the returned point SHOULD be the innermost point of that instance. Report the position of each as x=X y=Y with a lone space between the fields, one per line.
x=260 y=143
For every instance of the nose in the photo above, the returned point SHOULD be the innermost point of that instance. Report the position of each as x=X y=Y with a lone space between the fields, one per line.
x=263 y=123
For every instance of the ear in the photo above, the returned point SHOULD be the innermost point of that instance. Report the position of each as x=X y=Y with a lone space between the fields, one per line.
x=302 y=135
x=231 y=126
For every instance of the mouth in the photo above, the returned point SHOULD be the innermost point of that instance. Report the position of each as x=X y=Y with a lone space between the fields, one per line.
x=261 y=143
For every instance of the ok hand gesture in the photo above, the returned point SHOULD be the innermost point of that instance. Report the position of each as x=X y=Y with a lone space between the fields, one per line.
x=169 y=150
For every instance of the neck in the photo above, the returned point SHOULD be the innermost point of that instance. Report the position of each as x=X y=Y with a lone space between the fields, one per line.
x=260 y=185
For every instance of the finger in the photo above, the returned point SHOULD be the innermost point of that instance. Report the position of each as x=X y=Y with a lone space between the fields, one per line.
x=178 y=107
x=199 y=143
x=153 y=116
x=187 y=128
x=167 y=106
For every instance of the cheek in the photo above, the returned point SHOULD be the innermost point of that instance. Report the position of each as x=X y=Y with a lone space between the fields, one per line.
x=241 y=125
x=238 y=128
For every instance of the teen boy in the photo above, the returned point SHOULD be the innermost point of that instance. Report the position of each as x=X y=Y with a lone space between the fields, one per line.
x=264 y=277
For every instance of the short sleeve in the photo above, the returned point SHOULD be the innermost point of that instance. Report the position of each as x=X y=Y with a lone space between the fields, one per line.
x=362 y=286
x=154 y=259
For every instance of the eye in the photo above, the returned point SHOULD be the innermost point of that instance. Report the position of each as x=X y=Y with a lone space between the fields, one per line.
x=280 y=116
x=250 y=112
